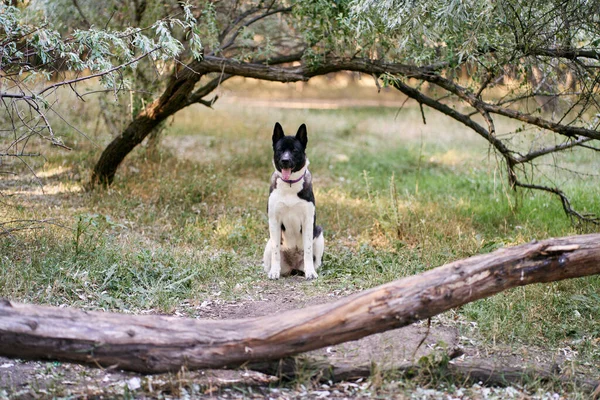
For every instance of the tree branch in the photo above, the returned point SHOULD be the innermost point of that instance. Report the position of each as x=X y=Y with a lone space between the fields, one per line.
x=97 y=75
x=212 y=85
x=479 y=104
x=566 y=203
x=235 y=23
x=452 y=113
x=259 y=69
x=303 y=73
x=198 y=95
x=264 y=15
x=532 y=155
x=16 y=96
x=568 y=53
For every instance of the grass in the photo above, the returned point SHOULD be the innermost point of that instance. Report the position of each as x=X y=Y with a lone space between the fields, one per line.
x=187 y=222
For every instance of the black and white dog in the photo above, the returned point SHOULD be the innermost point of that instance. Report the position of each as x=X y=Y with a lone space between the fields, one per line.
x=296 y=242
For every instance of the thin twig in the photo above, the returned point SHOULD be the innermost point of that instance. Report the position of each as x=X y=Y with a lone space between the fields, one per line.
x=422 y=113
x=252 y=21
x=569 y=143
x=566 y=203
x=99 y=74
x=423 y=339
x=485 y=83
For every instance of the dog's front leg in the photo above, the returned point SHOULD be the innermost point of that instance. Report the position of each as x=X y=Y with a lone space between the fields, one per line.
x=275 y=232
x=307 y=241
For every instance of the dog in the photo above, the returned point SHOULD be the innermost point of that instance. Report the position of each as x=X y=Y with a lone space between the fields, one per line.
x=295 y=242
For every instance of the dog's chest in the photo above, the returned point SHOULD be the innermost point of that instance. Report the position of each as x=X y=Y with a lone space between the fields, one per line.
x=292 y=212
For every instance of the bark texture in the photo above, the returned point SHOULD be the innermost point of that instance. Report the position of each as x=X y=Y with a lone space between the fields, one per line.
x=162 y=343
x=174 y=98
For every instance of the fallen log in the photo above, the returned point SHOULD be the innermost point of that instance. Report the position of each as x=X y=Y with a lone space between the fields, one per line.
x=490 y=373
x=162 y=343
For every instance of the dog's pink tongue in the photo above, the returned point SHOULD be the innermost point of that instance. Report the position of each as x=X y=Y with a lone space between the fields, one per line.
x=286 y=173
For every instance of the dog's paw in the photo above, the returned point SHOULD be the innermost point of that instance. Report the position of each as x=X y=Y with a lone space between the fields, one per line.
x=311 y=275
x=274 y=274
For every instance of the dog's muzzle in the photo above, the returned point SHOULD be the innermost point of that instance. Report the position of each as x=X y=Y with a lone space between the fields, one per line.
x=287 y=165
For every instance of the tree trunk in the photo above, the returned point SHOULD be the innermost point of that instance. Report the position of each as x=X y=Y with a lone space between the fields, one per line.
x=174 y=98
x=161 y=343
x=117 y=150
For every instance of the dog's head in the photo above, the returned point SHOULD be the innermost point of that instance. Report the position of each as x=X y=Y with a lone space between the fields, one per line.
x=289 y=152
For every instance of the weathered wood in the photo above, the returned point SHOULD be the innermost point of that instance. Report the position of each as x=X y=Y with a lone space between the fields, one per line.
x=162 y=343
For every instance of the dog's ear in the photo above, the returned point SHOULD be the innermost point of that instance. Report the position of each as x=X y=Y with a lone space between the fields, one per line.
x=277 y=133
x=302 y=136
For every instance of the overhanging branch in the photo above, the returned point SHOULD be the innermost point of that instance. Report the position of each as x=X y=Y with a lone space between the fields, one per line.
x=426 y=73
x=305 y=72
x=269 y=70
x=98 y=74
x=203 y=91
x=451 y=112
x=568 y=53
x=465 y=95
x=532 y=155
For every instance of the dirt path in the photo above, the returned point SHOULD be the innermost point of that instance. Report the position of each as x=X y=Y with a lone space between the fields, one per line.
x=343 y=370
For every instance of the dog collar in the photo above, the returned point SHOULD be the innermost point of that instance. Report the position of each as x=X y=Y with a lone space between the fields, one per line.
x=291 y=182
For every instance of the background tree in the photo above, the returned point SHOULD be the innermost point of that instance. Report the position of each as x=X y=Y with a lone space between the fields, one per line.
x=244 y=33
x=535 y=63
x=38 y=58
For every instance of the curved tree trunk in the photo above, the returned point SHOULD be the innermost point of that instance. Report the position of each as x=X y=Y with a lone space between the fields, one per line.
x=180 y=94
x=117 y=150
x=159 y=343
x=175 y=97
